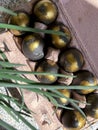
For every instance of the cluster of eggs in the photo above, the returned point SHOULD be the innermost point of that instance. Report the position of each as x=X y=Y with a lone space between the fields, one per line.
x=71 y=60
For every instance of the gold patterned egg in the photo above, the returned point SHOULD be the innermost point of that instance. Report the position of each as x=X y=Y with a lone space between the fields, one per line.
x=71 y=60
x=66 y=93
x=92 y=108
x=72 y=120
x=33 y=47
x=47 y=66
x=85 y=78
x=21 y=19
x=58 y=41
x=45 y=11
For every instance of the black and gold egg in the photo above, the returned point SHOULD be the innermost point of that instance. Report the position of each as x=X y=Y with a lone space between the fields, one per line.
x=58 y=41
x=85 y=78
x=92 y=108
x=47 y=66
x=66 y=93
x=21 y=19
x=33 y=47
x=71 y=60
x=72 y=120
x=45 y=11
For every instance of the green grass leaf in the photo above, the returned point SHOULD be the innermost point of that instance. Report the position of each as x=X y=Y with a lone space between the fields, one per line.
x=53 y=100
x=15 y=78
x=14 y=100
x=20 y=117
x=9 y=65
x=3 y=55
x=8 y=110
x=29 y=29
x=3 y=96
x=10 y=71
x=50 y=96
x=73 y=104
x=43 y=86
x=59 y=96
x=24 y=120
x=8 y=11
x=23 y=103
x=6 y=125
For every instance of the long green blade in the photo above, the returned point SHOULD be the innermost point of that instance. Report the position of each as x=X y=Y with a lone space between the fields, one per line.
x=48 y=87
x=8 y=97
x=74 y=104
x=3 y=55
x=5 y=125
x=22 y=118
x=28 y=29
x=7 y=109
x=23 y=103
x=59 y=96
x=39 y=91
x=56 y=103
x=15 y=78
x=8 y=11
x=34 y=73
x=14 y=100
x=51 y=98
x=9 y=65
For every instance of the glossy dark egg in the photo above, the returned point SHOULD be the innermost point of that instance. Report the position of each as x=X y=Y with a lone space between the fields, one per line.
x=92 y=108
x=50 y=67
x=71 y=60
x=33 y=47
x=72 y=120
x=58 y=41
x=21 y=19
x=66 y=93
x=45 y=11
x=85 y=78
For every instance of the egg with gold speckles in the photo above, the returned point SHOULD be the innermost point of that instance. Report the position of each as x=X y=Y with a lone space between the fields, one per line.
x=45 y=11
x=58 y=41
x=71 y=60
x=47 y=66
x=85 y=78
x=72 y=120
x=66 y=93
x=33 y=47
x=21 y=19
x=91 y=108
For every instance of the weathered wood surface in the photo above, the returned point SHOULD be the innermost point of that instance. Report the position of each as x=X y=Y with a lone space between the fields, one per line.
x=38 y=104
x=81 y=17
